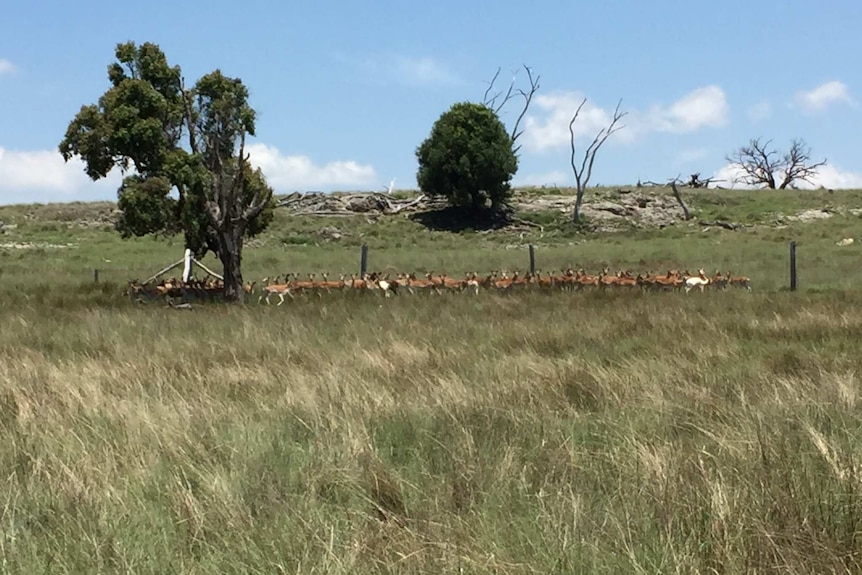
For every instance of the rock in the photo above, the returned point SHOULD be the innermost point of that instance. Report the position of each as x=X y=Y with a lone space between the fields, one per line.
x=330 y=233
x=613 y=208
x=811 y=215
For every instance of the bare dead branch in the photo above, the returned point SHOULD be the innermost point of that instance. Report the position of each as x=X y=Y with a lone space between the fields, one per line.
x=485 y=100
x=760 y=164
x=797 y=164
x=511 y=93
x=572 y=141
x=585 y=172
x=528 y=98
x=686 y=213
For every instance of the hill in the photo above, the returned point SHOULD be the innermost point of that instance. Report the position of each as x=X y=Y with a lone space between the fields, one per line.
x=636 y=228
x=539 y=431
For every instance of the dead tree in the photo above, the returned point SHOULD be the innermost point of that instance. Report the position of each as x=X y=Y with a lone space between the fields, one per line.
x=582 y=175
x=512 y=92
x=761 y=165
x=685 y=212
x=696 y=182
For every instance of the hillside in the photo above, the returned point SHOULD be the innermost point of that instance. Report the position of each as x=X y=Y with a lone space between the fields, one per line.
x=639 y=228
x=512 y=432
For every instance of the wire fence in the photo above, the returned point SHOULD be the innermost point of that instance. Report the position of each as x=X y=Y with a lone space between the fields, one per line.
x=530 y=262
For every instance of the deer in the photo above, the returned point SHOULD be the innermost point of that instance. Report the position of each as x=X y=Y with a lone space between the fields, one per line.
x=472 y=282
x=280 y=290
x=329 y=285
x=718 y=281
x=739 y=281
x=388 y=287
x=700 y=281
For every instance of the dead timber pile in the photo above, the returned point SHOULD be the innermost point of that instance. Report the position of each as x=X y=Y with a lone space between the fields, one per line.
x=351 y=204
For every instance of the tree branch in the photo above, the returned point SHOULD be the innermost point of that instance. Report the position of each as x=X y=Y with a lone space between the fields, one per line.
x=485 y=100
x=572 y=141
x=528 y=98
x=190 y=119
x=797 y=165
x=678 y=196
x=760 y=164
x=593 y=148
x=527 y=95
x=583 y=175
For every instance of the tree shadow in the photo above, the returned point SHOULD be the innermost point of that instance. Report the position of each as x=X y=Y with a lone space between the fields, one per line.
x=455 y=219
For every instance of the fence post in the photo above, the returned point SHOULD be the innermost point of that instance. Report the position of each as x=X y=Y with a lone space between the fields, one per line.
x=96 y=275
x=187 y=265
x=363 y=261
x=532 y=260
x=793 y=281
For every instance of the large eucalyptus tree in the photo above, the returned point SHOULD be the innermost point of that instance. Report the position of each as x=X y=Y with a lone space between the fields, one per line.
x=182 y=151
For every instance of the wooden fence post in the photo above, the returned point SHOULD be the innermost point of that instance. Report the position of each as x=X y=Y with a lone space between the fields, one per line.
x=363 y=261
x=96 y=275
x=532 y=260
x=793 y=279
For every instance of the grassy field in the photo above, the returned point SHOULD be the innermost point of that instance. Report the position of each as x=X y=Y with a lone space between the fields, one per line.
x=520 y=433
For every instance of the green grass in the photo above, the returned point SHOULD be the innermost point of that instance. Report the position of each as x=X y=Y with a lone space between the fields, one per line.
x=520 y=433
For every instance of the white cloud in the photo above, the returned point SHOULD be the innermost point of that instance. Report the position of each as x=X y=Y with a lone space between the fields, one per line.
x=43 y=176
x=828 y=176
x=6 y=67
x=291 y=173
x=701 y=108
x=727 y=175
x=704 y=107
x=551 y=130
x=823 y=96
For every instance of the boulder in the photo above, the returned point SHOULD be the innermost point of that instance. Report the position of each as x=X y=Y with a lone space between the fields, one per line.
x=611 y=207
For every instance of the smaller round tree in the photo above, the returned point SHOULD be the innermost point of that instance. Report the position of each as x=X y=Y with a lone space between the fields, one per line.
x=468 y=158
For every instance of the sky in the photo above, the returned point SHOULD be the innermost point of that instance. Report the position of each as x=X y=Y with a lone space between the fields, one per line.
x=346 y=91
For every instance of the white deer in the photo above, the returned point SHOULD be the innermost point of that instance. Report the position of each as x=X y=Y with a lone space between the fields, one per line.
x=700 y=281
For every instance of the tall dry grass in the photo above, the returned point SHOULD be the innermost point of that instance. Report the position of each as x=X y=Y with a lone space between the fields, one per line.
x=636 y=433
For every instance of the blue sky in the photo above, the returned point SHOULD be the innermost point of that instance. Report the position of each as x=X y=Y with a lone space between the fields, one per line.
x=346 y=91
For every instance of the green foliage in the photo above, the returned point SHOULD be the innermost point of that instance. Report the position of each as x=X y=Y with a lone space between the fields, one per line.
x=175 y=140
x=468 y=158
x=145 y=206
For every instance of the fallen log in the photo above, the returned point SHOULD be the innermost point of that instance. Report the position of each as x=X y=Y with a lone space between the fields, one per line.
x=722 y=224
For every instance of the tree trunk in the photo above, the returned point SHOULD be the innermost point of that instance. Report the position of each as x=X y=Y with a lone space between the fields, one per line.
x=678 y=196
x=230 y=254
x=579 y=199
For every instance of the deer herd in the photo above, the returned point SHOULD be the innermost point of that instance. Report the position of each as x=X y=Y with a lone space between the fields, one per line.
x=292 y=285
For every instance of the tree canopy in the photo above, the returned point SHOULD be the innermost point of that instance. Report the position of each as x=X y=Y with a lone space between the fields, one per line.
x=182 y=152
x=468 y=158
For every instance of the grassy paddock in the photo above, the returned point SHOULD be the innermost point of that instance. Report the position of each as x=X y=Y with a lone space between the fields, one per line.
x=520 y=433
